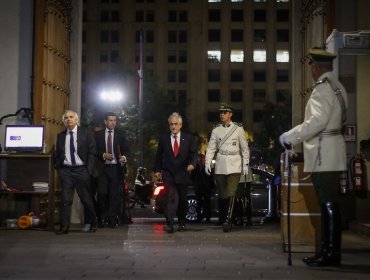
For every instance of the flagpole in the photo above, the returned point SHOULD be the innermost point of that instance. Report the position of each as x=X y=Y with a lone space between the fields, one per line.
x=140 y=73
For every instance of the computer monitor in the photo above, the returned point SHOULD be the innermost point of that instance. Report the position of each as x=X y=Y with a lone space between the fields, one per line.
x=24 y=138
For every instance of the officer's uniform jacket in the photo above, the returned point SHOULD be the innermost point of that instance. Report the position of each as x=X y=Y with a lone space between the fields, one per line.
x=323 y=113
x=232 y=154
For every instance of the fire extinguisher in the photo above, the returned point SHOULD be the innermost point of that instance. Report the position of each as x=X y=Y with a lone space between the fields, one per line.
x=358 y=173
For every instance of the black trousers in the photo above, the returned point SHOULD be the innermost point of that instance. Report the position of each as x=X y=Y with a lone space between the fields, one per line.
x=109 y=192
x=176 y=202
x=71 y=179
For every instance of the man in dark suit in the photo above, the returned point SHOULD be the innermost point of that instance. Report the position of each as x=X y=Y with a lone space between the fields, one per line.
x=111 y=150
x=176 y=157
x=74 y=159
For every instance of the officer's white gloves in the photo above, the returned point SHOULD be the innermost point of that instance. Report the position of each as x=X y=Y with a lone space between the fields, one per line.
x=284 y=142
x=208 y=170
x=245 y=169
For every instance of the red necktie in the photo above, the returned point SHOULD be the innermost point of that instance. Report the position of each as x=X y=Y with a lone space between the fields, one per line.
x=175 y=146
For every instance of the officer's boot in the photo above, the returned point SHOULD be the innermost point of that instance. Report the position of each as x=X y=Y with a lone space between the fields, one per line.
x=248 y=211
x=227 y=225
x=330 y=254
x=238 y=212
x=221 y=211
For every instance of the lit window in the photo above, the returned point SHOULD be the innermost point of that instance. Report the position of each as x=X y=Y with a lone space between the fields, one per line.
x=214 y=56
x=282 y=56
x=259 y=55
x=237 y=56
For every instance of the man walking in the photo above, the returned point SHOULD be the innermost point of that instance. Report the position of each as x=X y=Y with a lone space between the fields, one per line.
x=229 y=147
x=324 y=150
x=111 y=150
x=74 y=159
x=176 y=157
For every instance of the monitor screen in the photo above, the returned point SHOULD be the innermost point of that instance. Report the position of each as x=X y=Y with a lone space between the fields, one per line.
x=24 y=138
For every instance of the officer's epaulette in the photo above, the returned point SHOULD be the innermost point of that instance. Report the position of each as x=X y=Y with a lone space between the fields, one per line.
x=324 y=80
x=238 y=124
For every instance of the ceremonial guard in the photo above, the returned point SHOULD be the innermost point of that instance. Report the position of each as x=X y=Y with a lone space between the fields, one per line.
x=324 y=150
x=228 y=149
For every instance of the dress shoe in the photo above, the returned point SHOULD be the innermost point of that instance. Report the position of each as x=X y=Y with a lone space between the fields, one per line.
x=62 y=230
x=103 y=222
x=182 y=227
x=169 y=228
x=324 y=259
x=92 y=228
x=249 y=223
x=115 y=223
x=226 y=226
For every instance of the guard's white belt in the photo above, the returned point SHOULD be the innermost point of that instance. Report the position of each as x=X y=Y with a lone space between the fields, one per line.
x=228 y=153
x=330 y=132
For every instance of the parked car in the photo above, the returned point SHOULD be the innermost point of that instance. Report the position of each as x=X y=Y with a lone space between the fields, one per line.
x=263 y=194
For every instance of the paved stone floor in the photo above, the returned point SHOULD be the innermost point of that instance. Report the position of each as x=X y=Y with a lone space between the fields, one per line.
x=144 y=251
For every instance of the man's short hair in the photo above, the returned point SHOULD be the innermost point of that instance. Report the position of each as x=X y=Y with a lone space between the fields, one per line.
x=175 y=115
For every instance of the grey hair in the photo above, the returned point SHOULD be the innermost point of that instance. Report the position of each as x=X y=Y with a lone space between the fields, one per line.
x=175 y=115
x=73 y=112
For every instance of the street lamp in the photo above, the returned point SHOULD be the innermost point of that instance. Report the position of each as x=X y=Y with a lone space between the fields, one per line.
x=112 y=96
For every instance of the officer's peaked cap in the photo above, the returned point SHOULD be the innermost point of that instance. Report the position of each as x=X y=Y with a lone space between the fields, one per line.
x=224 y=107
x=320 y=55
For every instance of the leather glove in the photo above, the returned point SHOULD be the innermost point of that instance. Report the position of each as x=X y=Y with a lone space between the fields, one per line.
x=245 y=169
x=284 y=142
x=208 y=170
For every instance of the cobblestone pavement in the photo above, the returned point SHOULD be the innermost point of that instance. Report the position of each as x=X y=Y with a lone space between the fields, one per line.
x=144 y=251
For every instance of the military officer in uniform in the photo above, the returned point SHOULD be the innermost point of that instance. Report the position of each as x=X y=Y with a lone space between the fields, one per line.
x=324 y=150
x=229 y=146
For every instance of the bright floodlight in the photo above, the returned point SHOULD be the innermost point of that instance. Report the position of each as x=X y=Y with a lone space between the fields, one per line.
x=111 y=96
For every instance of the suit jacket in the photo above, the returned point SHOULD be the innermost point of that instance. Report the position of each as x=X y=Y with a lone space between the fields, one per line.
x=174 y=168
x=323 y=112
x=86 y=148
x=119 y=148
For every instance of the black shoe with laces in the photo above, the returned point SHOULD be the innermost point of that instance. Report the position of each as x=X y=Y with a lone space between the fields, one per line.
x=169 y=228
x=62 y=230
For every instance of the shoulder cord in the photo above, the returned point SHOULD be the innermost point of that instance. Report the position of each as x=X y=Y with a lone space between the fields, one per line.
x=225 y=138
x=338 y=94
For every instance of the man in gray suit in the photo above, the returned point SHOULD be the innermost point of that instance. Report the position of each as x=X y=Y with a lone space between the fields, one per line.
x=74 y=159
x=324 y=150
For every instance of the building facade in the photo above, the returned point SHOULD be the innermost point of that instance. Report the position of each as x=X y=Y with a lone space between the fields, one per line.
x=200 y=52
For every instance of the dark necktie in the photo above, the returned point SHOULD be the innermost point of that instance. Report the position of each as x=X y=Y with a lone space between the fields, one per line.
x=109 y=143
x=175 y=146
x=72 y=148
